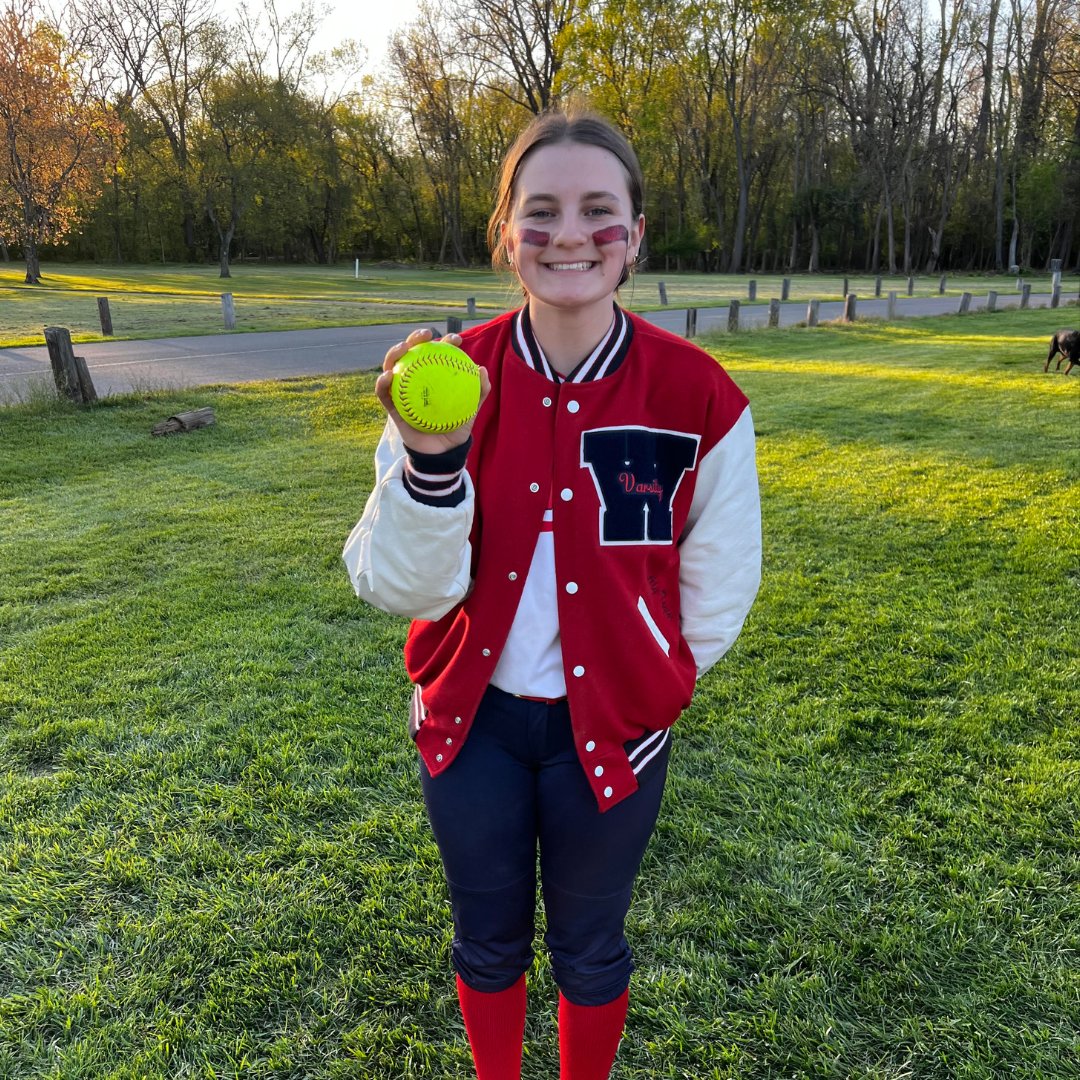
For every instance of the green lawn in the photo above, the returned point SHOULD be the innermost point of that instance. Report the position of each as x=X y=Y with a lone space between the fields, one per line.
x=214 y=860
x=168 y=301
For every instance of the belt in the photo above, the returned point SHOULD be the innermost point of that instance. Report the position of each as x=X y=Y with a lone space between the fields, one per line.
x=541 y=700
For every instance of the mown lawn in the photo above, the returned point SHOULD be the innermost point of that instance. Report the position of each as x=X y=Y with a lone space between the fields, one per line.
x=213 y=854
x=173 y=301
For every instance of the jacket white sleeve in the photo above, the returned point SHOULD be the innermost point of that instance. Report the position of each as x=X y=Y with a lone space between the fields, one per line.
x=404 y=556
x=720 y=549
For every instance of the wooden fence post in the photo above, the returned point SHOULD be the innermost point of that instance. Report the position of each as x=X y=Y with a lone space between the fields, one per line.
x=991 y=300
x=941 y=285
x=785 y=288
x=965 y=303
x=1025 y=294
x=70 y=373
x=751 y=290
x=1055 y=296
x=844 y=290
x=812 y=312
x=663 y=293
x=849 y=308
x=105 y=316
x=774 y=313
x=877 y=285
x=470 y=306
x=910 y=285
x=733 y=316
x=453 y=324
x=891 y=312
x=691 y=322
x=228 y=309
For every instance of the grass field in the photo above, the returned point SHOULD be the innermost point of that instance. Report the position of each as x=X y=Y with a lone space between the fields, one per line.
x=214 y=860
x=150 y=302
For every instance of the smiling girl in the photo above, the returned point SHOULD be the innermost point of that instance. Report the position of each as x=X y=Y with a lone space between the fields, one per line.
x=574 y=558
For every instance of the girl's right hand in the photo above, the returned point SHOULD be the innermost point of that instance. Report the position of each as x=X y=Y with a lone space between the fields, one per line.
x=423 y=442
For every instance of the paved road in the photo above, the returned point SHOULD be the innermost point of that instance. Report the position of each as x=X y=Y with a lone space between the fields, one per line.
x=119 y=367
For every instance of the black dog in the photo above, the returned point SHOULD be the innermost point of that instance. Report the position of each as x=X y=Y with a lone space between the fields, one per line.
x=1066 y=342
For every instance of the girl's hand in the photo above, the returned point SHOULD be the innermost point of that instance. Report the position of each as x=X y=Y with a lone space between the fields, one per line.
x=423 y=442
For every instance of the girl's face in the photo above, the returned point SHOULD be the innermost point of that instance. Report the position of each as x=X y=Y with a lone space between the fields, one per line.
x=572 y=228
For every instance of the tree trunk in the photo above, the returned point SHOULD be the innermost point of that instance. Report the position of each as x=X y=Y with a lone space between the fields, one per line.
x=33 y=264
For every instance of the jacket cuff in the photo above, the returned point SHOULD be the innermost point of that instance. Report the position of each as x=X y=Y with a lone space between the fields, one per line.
x=437 y=479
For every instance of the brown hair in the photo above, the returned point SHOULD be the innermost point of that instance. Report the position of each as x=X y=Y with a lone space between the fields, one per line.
x=587 y=128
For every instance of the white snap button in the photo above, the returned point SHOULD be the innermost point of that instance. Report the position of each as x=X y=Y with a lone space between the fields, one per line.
x=487 y=652
x=579 y=671
x=457 y=719
x=547 y=403
x=534 y=487
x=608 y=793
x=598 y=771
x=566 y=494
x=590 y=746
x=571 y=587
x=512 y=575
x=572 y=406
x=449 y=742
x=438 y=757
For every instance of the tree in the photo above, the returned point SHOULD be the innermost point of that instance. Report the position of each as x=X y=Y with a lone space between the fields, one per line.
x=56 y=139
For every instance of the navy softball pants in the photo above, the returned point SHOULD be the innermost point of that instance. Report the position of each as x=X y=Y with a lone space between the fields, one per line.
x=517 y=786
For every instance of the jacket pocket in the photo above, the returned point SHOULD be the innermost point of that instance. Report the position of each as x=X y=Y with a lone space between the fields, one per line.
x=650 y=622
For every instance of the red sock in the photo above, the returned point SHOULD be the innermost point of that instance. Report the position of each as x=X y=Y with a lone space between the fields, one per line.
x=589 y=1037
x=496 y=1027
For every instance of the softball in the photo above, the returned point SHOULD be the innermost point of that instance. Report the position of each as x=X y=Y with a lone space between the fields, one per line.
x=436 y=387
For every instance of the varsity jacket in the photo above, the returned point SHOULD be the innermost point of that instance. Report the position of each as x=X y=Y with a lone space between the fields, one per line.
x=644 y=459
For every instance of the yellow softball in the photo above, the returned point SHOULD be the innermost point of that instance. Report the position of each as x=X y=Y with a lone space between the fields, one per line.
x=436 y=387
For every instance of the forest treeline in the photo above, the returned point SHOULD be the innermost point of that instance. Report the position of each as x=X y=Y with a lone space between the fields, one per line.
x=892 y=136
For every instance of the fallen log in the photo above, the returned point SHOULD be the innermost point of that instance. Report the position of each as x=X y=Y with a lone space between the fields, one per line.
x=185 y=421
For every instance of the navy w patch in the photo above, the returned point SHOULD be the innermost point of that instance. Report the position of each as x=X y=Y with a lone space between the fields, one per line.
x=637 y=471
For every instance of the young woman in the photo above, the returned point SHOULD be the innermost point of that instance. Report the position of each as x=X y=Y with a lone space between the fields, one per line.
x=573 y=559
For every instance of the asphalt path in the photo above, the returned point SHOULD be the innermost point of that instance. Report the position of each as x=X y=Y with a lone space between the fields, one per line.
x=121 y=367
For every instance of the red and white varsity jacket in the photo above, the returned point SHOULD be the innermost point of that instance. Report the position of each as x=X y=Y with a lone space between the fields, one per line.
x=645 y=456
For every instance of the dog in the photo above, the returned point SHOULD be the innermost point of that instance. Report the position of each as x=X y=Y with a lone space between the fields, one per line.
x=1066 y=342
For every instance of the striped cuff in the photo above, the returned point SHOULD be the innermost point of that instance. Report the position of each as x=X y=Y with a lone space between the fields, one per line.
x=437 y=479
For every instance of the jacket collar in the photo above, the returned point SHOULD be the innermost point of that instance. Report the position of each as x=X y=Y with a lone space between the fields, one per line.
x=602 y=361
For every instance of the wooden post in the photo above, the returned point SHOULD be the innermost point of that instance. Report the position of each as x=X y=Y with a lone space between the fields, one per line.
x=470 y=306
x=228 y=309
x=1055 y=296
x=965 y=303
x=733 y=316
x=910 y=285
x=941 y=285
x=1025 y=294
x=691 y=322
x=774 y=313
x=849 y=308
x=663 y=294
x=785 y=288
x=1055 y=279
x=812 y=312
x=72 y=378
x=104 y=316
x=844 y=290
x=891 y=314
x=991 y=300
x=453 y=324
x=877 y=285
x=751 y=290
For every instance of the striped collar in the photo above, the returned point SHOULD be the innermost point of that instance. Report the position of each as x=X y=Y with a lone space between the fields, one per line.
x=603 y=360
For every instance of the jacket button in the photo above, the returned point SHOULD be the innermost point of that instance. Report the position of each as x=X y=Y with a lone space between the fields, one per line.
x=547 y=403
x=534 y=487
x=438 y=757
x=457 y=719
x=598 y=771
x=571 y=587
x=449 y=742
x=590 y=746
x=608 y=793
x=566 y=494
x=512 y=575
x=578 y=671
x=487 y=652
x=572 y=406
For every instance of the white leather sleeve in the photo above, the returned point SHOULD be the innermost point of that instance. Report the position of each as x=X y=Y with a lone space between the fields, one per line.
x=720 y=549
x=404 y=556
